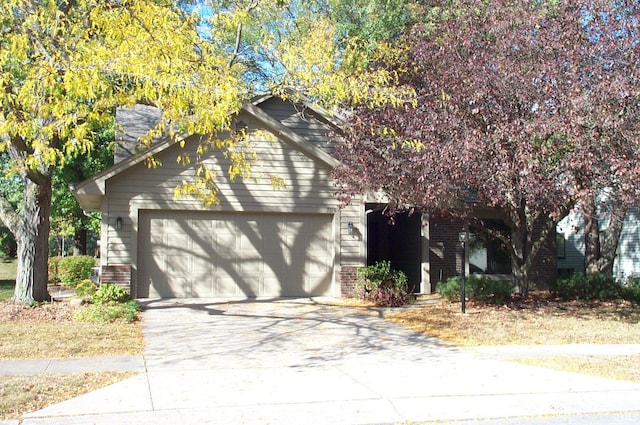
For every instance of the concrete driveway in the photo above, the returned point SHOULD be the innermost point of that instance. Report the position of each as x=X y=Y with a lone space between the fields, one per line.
x=308 y=362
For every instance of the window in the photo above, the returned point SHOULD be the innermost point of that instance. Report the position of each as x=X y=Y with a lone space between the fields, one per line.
x=488 y=254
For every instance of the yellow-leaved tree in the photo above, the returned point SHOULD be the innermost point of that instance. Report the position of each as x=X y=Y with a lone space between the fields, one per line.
x=65 y=65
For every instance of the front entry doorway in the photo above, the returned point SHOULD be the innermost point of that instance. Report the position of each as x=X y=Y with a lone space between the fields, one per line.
x=397 y=240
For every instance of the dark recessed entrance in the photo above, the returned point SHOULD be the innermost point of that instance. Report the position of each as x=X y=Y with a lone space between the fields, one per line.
x=398 y=241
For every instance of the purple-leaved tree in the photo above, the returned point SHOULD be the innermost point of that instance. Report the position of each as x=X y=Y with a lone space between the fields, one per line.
x=525 y=108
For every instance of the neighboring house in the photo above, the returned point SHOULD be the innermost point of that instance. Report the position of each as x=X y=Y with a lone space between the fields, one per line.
x=571 y=245
x=258 y=241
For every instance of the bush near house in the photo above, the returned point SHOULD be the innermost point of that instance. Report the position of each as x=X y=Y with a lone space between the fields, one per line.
x=109 y=293
x=382 y=285
x=597 y=286
x=54 y=279
x=631 y=291
x=108 y=303
x=477 y=288
x=73 y=269
x=85 y=289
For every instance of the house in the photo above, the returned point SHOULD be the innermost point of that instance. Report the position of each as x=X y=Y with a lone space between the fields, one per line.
x=258 y=241
x=571 y=245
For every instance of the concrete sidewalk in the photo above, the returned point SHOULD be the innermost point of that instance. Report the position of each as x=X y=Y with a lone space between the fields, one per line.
x=137 y=364
x=569 y=350
x=89 y=364
x=297 y=361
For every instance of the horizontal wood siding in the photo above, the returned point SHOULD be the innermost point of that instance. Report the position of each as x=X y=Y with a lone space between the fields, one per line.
x=119 y=241
x=627 y=262
x=572 y=229
x=308 y=188
x=352 y=247
x=300 y=119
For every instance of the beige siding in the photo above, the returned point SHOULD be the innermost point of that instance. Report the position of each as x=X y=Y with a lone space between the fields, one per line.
x=352 y=247
x=308 y=189
x=300 y=119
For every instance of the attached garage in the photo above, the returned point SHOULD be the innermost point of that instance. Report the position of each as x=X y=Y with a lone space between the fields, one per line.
x=199 y=254
x=288 y=239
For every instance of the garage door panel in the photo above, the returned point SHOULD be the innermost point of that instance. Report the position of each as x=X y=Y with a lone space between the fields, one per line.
x=176 y=241
x=185 y=254
x=202 y=226
x=202 y=266
x=177 y=265
x=251 y=266
x=319 y=243
x=201 y=286
x=318 y=265
x=271 y=287
x=249 y=244
x=225 y=226
x=225 y=245
x=226 y=287
x=176 y=287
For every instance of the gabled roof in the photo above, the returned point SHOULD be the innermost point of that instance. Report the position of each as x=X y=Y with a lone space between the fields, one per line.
x=90 y=192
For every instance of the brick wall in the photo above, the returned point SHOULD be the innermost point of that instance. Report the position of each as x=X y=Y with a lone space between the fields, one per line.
x=445 y=254
x=347 y=281
x=445 y=251
x=118 y=275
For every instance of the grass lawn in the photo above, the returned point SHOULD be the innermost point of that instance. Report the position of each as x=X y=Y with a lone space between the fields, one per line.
x=538 y=321
x=48 y=331
x=59 y=339
x=7 y=277
x=23 y=394
x=32 y=340
x=6 y=289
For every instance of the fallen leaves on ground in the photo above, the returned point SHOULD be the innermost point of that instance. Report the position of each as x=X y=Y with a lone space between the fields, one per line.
x=27 y=393
x=49 y=331
x=539 y=319
x=624 y=368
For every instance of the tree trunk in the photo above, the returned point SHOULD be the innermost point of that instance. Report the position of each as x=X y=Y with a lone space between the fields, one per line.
x=591 y=236
x=80 y=242
x=528 y=236
x=600 y=249
x=33 y=244
x=611 y=238
x=520 y=276
x=519 y=266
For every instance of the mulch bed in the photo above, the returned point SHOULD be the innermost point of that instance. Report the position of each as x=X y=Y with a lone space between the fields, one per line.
x=538 y=300
x=58 y=311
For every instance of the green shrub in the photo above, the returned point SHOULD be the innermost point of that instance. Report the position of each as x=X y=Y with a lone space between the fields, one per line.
x=478 y=288
x=588 y=287
x=53 y=277
x=382 y=285
x=109 y=293
x=631 y=290
x=72 y=270
x=450 y=289
x=85 y=288
x=491 y=290
x=108 y=312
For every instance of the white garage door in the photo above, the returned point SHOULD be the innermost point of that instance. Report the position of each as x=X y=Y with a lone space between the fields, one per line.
x=230 y=255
